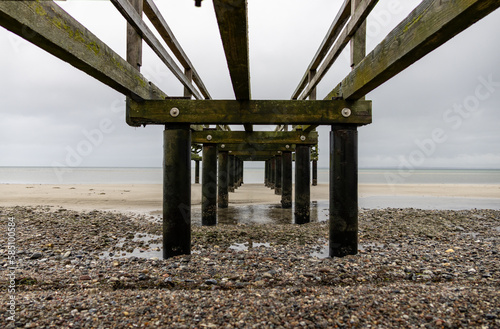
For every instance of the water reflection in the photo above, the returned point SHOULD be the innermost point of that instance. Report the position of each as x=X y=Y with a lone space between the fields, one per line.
x=262 y=214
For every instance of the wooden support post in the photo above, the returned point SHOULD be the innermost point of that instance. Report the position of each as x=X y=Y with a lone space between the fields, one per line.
x=286 y=186
x=209 y=185
x=314 y=173
x=223 y=179
x=197 y=172
x=302 y=184
x=231 y=174
x=242 y=171
x=277 y=189
x=177 y=191
x=236 y=173
x=273 y=173
x=266 y=176
x=343 y=191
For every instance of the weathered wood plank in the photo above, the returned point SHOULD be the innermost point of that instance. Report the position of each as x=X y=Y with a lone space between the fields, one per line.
x=232 y=18
x=273 y=138
x=429 y=26
x=357 y=20
x=134 y=40
x=233 y=26
x=263 y=146
x=159 y=22
x=265 y=112
x=337 y=25
x=126 y=9
x=49 y=27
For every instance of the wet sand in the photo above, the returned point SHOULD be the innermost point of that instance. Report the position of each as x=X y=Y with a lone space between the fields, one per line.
x=147 y=198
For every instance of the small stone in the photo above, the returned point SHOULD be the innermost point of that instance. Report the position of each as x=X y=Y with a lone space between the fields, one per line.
x=36 y=255
x=66 y=254
x=308 y=275
x=324 y=270
x=116 y=263
x=126 y=313
x=439 y=322
x=267 y=275
x=85 y=277
x=471 y=270
x=450 y=250
x=210 y=281
x=490 y=316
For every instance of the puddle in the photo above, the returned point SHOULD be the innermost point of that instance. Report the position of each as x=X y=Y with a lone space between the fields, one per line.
x=149 y=250
x=262 y=214
x=246 y=246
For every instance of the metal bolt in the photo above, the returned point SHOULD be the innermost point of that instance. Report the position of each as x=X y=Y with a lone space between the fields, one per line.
x=303 y=138
x=222 y=146
x=279 y=152
x=174 y=112
x=287 y=146
x=346 y=112
x=209 y=137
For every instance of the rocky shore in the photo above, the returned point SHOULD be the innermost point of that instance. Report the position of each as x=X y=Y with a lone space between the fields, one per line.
x=415 y=268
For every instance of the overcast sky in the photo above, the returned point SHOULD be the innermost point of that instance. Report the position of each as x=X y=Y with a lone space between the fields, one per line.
x=444 y=111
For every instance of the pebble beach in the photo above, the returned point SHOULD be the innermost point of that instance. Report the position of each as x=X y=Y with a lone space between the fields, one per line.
x=95 y=269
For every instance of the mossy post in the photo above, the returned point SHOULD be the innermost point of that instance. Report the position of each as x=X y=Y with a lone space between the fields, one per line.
x=273 y=173
x=231 y=174
x=266 y=173
x=314 y=173
x=343 y=191
x=222 y=185
x=277 y=189
x=302 y=184
x=176 y=190
x=286 y=186
x=197 y=172
x=209 y=185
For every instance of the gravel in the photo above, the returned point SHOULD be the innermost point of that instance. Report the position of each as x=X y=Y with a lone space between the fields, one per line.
x=415 y=268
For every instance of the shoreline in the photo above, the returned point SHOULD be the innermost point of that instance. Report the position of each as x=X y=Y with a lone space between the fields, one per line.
x=147 y=198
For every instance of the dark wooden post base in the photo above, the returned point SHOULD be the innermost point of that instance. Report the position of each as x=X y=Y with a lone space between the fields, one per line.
x=343 y=191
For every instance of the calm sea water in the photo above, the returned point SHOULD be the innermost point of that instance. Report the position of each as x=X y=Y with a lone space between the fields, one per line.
x=46 y=175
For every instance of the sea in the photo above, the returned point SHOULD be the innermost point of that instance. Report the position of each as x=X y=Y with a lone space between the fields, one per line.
x=81 y=175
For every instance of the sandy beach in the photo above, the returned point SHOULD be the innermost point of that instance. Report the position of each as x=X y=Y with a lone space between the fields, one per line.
x=146 y=198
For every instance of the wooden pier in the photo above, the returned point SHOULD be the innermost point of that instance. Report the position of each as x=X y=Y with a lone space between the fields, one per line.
x=198 y=127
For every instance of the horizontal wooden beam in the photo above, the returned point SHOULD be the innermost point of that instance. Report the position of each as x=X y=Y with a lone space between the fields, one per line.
x=49 y=27
x=338 y=24
x=274 y=138
x=257 y=147
x=263 y=112
x=233 y=26
x=430 y=25
x=135 y=20
x=159 y=22
x=363 y=9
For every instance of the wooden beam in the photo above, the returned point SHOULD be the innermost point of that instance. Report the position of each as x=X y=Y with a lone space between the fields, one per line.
x=265 y=112
x=430 y=25
x=233 y=26
x=134 y=19
x=49 y=27
x=257 y=137
x=160 y=24
x=254 y=153
x=357 y=19
x=257 y=147
x=338 y=24
x=232 y=18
